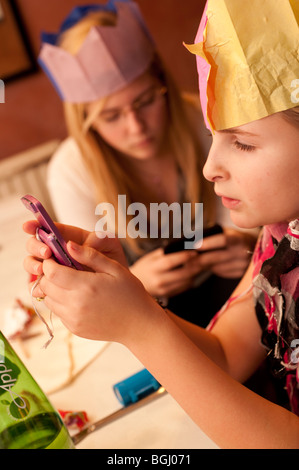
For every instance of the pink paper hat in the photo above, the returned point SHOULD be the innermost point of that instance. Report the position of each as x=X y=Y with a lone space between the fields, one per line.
x=110 y=58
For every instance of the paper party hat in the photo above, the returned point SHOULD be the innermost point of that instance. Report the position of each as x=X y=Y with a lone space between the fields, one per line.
x=247 y=59
x=110 y=57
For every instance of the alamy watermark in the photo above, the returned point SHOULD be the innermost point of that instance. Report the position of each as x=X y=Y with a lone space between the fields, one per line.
x=295 y=351
x=295 y=93
x=2 y=92
x=160 y=220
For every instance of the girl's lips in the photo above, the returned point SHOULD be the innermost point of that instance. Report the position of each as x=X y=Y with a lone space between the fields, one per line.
x=230 y=203
x=143 y=143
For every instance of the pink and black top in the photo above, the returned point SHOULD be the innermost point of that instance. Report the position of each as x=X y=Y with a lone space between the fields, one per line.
x=275 y=288
x=276 y=294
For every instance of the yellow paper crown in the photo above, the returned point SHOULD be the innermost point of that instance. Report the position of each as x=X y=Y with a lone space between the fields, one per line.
x=247 y=58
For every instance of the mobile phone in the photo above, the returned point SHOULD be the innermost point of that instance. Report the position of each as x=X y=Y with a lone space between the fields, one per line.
x=178 y=245
x=49 y=234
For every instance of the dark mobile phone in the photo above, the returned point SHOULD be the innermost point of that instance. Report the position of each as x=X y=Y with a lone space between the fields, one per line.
x=178 y=245
x=49 y=234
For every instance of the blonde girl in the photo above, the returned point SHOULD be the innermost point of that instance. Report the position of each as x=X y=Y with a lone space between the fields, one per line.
x=146 y=142
x=254 y=167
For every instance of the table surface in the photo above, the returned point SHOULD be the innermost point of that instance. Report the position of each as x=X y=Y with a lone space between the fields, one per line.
x=84 y=382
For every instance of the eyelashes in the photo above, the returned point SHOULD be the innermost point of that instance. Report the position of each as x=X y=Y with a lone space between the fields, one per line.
x=243 y=147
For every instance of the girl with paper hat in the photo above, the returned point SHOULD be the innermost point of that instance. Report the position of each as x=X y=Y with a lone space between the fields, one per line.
x=254 y=166
x=132 y=134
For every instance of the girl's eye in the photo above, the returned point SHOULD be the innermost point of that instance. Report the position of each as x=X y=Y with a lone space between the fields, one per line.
x=110 y=117
x=244 y=147
x=146 y=100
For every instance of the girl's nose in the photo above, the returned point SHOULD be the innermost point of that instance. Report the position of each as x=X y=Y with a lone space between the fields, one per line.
x=215 y=168
x=134 y=122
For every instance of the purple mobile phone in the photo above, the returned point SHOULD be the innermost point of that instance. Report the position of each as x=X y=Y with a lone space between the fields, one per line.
x=49 y=234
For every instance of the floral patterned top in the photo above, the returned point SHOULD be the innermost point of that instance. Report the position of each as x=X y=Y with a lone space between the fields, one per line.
x=276 y=295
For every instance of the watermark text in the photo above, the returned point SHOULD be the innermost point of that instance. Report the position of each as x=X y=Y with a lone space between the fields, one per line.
x=295 y=93
x=160 y=220
x=2 y=92
x=295 y=351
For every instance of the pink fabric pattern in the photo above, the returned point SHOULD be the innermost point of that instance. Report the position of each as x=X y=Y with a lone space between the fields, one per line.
x=275 y=289
x=276 y=294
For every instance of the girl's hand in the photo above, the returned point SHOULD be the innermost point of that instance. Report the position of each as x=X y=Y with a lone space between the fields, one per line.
x=166 y=275
x=106 y=302
x=233 y=256
x=39 y=251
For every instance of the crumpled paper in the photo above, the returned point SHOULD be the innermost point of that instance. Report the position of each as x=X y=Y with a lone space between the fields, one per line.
x=247 y=60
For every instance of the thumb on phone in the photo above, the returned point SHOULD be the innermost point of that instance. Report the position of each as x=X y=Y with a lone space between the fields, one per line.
x=91 y=258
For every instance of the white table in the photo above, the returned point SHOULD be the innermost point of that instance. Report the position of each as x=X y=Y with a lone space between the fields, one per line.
x=161 y=424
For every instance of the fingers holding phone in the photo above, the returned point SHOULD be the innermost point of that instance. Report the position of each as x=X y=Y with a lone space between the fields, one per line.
x=227 y=255
x=165 y=275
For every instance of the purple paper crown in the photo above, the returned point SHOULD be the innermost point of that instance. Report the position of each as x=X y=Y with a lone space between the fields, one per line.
x=110 y=58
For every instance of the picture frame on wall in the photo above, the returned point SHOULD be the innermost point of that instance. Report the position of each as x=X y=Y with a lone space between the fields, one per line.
x=16 y=58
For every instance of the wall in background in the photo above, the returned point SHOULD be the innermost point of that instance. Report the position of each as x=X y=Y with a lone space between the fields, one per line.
x=32 y=112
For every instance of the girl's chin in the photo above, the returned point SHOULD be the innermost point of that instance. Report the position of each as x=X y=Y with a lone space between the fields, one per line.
x=243 y=221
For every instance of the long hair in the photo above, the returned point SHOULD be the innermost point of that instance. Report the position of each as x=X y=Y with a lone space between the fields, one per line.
x=109 y=177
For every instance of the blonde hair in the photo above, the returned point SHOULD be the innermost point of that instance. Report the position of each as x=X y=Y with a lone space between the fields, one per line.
x=103 y=163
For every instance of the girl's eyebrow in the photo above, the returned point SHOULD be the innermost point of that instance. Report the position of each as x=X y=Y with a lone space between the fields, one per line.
x=237 y=130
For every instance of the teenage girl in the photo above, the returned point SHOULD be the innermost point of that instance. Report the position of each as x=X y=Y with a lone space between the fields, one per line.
x=254 y=168
x=147 y=142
